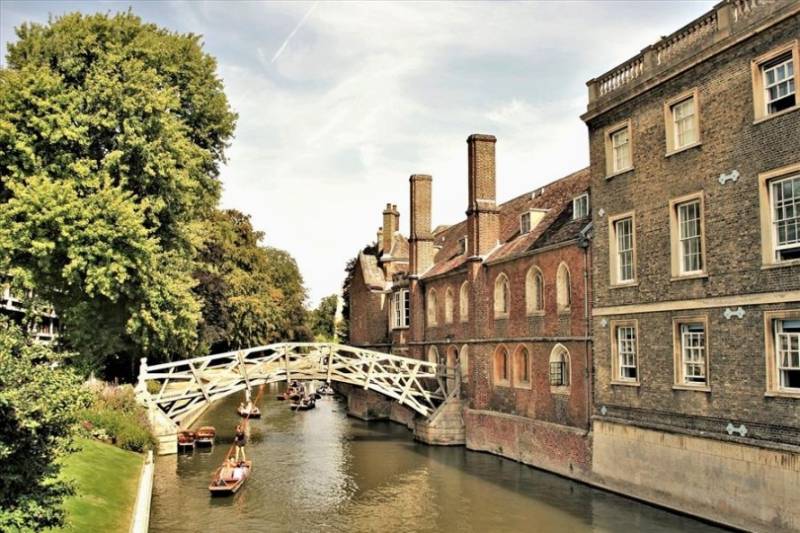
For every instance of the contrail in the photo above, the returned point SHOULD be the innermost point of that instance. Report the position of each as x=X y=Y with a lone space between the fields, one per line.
x=299 y=25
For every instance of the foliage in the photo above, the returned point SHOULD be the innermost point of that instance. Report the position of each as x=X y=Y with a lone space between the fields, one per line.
x=323 y=319
x=39 y=404
x=116 y=414
x=250 y=295
x=111 y=136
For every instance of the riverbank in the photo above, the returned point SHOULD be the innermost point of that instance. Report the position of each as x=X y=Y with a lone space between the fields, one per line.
x=106 y=480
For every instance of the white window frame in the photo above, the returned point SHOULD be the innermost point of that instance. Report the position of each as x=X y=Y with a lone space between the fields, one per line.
x=785 y=61
x=583 y=199
x=679 y=240
x=401 y=310
x=774 y=335
x=624 y=352
x=793 y=222
x=688 y=353
x=462 y=246
x=525 y=223
x=770 y=249
x=761 y=100
x=690 y=247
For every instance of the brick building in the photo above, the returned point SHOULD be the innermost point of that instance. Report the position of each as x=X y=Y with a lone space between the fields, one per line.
x=502 y=296
x=695 y=180
x=42 y=325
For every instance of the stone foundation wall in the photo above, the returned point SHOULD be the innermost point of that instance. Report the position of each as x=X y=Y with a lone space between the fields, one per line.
x=743 y=486
x=560 y=449
x=365 y=404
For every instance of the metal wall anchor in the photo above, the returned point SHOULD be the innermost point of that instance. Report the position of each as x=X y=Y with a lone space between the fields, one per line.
x=738 y=313
x=731 y=176
x=731 y=429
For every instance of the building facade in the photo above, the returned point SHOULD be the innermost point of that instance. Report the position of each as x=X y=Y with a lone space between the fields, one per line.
x=42 y=325
x=502 y=296
x=695 y=179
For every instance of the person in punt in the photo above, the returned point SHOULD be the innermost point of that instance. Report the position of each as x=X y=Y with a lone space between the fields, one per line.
x=239 y=441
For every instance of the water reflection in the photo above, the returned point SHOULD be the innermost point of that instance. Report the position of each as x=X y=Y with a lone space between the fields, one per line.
x=321 y=471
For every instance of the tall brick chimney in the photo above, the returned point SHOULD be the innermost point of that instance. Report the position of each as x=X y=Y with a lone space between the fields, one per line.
x=483 y=224
x=379 y=240
x=421 y=237
x=391 y=224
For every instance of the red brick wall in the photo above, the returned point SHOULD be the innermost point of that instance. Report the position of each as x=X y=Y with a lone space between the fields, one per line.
x=368 y=313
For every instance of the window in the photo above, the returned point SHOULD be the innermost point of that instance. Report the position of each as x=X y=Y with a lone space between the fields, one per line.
x=622 y=249
x=525 y=223
x=463 y=302
x=775 y=81
x=534 y=291
x=433 y=355
x=691 y=353
x=682 y=119
x=783 y=352
x=625 y=352
x=431 y=309
x=502 y=296
x=779 y=195
x=580 y=206
x=619 y=148
x=463 y=363
x=448 y=306
x=687 y=236
x=522 y=367
x=401 y=309
x=563 y=290
x=462 y=246
x=501 y=370
x=559 y=368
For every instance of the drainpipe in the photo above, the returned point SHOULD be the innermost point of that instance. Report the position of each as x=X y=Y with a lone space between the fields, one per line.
x=585 y=243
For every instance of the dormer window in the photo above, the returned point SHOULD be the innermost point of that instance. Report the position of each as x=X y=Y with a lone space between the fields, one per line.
x=525 y=223
x=462 y=246
x=580 y=206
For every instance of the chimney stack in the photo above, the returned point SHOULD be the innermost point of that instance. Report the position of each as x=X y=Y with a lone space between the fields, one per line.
x=391 y=224
x=379 y=240
x=421 y=237
x=483 y=225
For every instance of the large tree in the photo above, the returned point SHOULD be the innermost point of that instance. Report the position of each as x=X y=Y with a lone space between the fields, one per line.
x=111 y=136
x=323 y=319
x=40 y=399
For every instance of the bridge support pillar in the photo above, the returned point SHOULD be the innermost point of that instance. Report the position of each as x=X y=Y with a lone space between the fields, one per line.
x=445 y=427
x=366 y=404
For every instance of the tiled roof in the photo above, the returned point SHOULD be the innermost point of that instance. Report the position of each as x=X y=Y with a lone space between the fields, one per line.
x=556 y=225
x=373 y=274
x=399 y=246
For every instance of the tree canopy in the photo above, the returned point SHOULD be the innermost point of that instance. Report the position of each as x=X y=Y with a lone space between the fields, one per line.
x=111 y=136
x=323 y=319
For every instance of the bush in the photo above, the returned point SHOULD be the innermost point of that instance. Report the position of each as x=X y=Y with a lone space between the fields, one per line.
x=116 y=415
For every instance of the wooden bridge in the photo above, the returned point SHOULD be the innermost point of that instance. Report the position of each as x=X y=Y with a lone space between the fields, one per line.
x=180 y=388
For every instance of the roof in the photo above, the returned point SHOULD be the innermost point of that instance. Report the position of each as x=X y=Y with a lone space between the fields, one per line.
x=373 y=275
x=555 y=227
x=399 y=249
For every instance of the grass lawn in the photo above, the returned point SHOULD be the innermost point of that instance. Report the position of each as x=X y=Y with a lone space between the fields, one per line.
x=106 y=479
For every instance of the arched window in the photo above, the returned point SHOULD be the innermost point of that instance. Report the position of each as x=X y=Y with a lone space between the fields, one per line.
x=448 y=306
x=463 y=363
x=534 y=291
x=501 y=366
x=433 y=355
x=452 y=367
x=431 y=309
x=522 y=366
x=502 y=296
x=463 y=302
x=563 y=288
x=559 y=367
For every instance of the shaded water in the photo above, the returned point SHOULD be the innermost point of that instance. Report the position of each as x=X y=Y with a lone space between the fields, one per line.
x=322 y=471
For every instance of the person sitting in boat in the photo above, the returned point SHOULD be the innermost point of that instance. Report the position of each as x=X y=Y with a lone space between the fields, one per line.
x=227 y=472
x=239 y=442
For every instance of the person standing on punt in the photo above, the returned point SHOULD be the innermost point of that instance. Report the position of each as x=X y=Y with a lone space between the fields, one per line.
x=239 y=441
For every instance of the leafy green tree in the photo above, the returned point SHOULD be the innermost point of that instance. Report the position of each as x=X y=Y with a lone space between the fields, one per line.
x=111 y=136
x=250 y=295
x=323 y=318
x=40 y=399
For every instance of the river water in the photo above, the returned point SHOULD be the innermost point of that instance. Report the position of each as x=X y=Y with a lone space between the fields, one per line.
x=321 y=471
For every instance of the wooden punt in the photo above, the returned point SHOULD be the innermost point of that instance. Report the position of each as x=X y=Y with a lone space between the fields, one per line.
x=186 y=440
x=205 y=436
x=255 y=412
x=225 y=487
x=304 y=405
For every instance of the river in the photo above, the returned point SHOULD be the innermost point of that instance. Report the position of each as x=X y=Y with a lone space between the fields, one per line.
x=321 y=471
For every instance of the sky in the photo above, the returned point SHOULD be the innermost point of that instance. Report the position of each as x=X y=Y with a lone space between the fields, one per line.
x=339 y=103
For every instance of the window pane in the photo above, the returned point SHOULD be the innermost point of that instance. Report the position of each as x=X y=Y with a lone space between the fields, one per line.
x=786 y=215
x=624 y=231
x=690 y=249
x=693 y=353
x=626 y=349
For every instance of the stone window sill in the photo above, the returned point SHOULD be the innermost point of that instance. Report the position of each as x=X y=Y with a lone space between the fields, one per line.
x=502 y=383
x=782 y=394
x=683 y=148
x=782 y=264
x=535 y=313
x=696 y=388
x=626 y=383
x=565 y=311
x=700 y=275
x=525 y=385
x=398 y=328
x=563 y=391
x=627 y=284
x=619 y=173
x=765 y=118
x=501 y=316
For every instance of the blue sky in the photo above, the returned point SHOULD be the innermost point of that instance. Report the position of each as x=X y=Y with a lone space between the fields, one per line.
x=340 y=102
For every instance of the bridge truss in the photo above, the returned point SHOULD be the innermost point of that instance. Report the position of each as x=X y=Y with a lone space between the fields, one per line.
x=179 y=388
